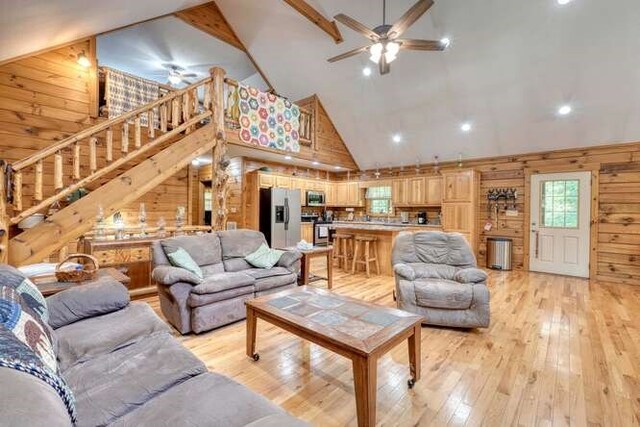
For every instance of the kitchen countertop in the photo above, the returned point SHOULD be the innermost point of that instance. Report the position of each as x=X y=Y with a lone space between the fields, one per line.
x=379 y=226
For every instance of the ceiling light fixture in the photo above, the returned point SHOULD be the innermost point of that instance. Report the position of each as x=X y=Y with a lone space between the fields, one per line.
x=83 y=60
x=366 y=71
x=445 y=41
x=195 y=162
x=563 y=2
x=174 y=78
x=397 y=138
x=390 y=50
x=337 y=167
x=564 y=110
x=465 y=127
x=287 y=157
x=315 y=163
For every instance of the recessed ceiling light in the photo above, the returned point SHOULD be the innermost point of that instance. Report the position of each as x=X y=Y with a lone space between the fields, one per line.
x=397 y=138
x=315 y=163
x=337 y=167
x=446 y=41
x=366 y=71
x=564 y=110
x=195 y=162
x=563 y=2
x=465 y=127
x=287 y=157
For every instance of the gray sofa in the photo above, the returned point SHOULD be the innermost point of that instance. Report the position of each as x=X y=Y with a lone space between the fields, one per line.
x=436 y=277
x=196 y=305
x=125 y=369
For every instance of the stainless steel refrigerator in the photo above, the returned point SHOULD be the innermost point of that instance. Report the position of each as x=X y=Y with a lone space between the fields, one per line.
x=280 y=212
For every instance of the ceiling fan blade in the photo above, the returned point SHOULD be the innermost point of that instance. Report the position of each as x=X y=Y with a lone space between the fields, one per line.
x=384 y=66
x=349 y=54
x=189 y=75
x=412 y=44
x=187 y=82
x=356 y=26
x=410 y=16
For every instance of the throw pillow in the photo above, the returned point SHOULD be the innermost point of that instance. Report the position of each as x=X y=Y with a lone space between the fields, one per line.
x=264 y=257
x=181 y=258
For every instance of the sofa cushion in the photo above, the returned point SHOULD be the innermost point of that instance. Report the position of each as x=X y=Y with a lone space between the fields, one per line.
x=240 y=243
x=113 y=384
x=168 y=275
x=208 y=270
x=19 y=392
x=198 y=300
x=275 y=281
x=203 y=248
x=261 y=273
x=236 y=264
x=92 y=337
x=438 y=293
x=206 y=400
x=80 y=302
x=222 y=282
x=181 y=258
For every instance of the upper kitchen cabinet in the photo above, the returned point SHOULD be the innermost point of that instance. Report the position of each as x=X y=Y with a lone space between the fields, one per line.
x=348 y=194
x=433 y=189
x=417 y=191
x=460 y=204
x=458 y=186
x=330 y=194
x=266 y=180
x=283 y=181
x=400 y=192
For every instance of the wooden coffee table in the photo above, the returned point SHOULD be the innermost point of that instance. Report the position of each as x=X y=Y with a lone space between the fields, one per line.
x=355 y=329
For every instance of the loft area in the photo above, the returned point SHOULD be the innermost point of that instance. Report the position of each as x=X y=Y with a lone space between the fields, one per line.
x=193 y=194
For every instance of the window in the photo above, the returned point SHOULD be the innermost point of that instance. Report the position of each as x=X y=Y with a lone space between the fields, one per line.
x=379 y=200
x=559 y=202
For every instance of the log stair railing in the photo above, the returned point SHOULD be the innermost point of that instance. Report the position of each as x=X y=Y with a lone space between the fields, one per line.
x=50 y=175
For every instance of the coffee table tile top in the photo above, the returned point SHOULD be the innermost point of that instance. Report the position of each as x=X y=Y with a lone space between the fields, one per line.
x=359 y=320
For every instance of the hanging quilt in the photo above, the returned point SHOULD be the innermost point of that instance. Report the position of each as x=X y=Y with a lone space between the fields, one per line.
x=268 y=120
x=125 y=92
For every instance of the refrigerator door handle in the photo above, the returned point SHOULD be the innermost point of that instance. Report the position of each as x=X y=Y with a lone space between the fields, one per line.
x=286 y=213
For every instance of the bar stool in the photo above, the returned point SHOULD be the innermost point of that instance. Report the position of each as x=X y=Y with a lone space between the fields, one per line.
x=370 y=245
x=343 y=248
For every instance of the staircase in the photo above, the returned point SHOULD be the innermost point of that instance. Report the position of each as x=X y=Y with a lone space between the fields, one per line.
x=118 y=159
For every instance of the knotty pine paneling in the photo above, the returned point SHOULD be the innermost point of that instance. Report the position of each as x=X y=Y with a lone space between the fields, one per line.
x=48 y=97
x=618 y=243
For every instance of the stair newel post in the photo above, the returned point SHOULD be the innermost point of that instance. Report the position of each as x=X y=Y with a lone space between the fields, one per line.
x=4 y=216
x=219 y=174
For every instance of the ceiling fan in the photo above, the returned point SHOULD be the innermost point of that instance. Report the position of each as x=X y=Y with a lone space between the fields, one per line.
x=385 y=38
x=178 y=74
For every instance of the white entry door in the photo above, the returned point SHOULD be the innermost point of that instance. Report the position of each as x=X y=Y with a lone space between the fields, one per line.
x=560 y=223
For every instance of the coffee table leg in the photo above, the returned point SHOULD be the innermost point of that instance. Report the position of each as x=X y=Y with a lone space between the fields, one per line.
x=330 y=269
x=306 y=267
x=414 y=354
x=365 y=370
x=252 y=321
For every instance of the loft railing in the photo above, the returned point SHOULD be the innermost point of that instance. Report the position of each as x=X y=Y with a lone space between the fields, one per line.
x=232 y=113
x=61 y=169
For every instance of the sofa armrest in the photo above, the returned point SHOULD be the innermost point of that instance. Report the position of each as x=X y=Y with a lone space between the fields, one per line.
x=289 y=259
x=404 y=271
x=86 y=301
x=168 y=275
x=470 y=275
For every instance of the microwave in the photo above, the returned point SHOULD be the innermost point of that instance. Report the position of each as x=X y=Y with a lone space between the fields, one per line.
x=315 y=198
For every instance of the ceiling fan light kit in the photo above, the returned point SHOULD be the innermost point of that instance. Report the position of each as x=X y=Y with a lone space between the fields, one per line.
x=385 y=39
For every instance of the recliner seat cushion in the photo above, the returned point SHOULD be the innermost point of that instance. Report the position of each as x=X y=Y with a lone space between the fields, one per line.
x=113 y=384
x=222 y=282
x=261 y=273
x=206 y=400
x=86 y=339
x=446 y=294
x=198 y=300
x=275 y=282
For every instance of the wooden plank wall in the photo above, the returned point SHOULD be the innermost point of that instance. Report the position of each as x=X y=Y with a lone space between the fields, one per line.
x=48 y=97
x=618 y=248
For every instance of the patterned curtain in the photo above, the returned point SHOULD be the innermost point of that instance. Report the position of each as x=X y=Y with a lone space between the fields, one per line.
x=268 y=120
x=125 y=92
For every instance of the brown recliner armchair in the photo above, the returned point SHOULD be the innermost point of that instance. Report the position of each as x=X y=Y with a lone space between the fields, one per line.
x=437 y=277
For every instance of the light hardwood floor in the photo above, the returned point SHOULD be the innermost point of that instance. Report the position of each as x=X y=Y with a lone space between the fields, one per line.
x=560 y=351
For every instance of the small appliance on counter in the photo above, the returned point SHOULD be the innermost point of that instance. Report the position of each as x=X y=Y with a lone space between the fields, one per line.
x=404 y=217
x=422 y=217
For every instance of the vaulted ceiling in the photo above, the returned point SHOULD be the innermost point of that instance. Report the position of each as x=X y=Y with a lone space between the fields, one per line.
x=510 y=65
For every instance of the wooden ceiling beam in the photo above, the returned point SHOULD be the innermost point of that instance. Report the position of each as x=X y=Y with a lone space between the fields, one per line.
x=306 y=10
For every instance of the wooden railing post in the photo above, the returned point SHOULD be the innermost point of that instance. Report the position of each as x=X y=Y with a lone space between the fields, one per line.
x=218 y=169
x=4 y=216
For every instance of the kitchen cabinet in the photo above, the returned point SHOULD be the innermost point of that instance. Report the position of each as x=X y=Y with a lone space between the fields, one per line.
x=342 y=194
x=354 y=194
x=458 y=186
x=282 y=181
x=459 y=204
x=433 y=189
x=266 y=180
x=306 y=231
x=400 y=192
x=330 y=194
x=417 y=191
x=417 y=195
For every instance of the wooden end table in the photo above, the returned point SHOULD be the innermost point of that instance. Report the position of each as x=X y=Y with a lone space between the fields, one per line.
x=49 y=285
x=355 y=329
x=305 y=271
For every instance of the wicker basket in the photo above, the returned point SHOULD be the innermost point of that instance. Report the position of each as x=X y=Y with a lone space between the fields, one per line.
x=88 y=271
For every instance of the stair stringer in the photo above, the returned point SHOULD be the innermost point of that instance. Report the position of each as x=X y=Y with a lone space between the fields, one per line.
x=73 y=221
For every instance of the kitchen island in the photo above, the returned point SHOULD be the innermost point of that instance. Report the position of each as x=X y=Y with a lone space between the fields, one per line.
x=385 y=232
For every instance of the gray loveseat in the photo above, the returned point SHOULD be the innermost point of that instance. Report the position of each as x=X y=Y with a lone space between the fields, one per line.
x=196 y=305
x=125 y=369
x=436 y=277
